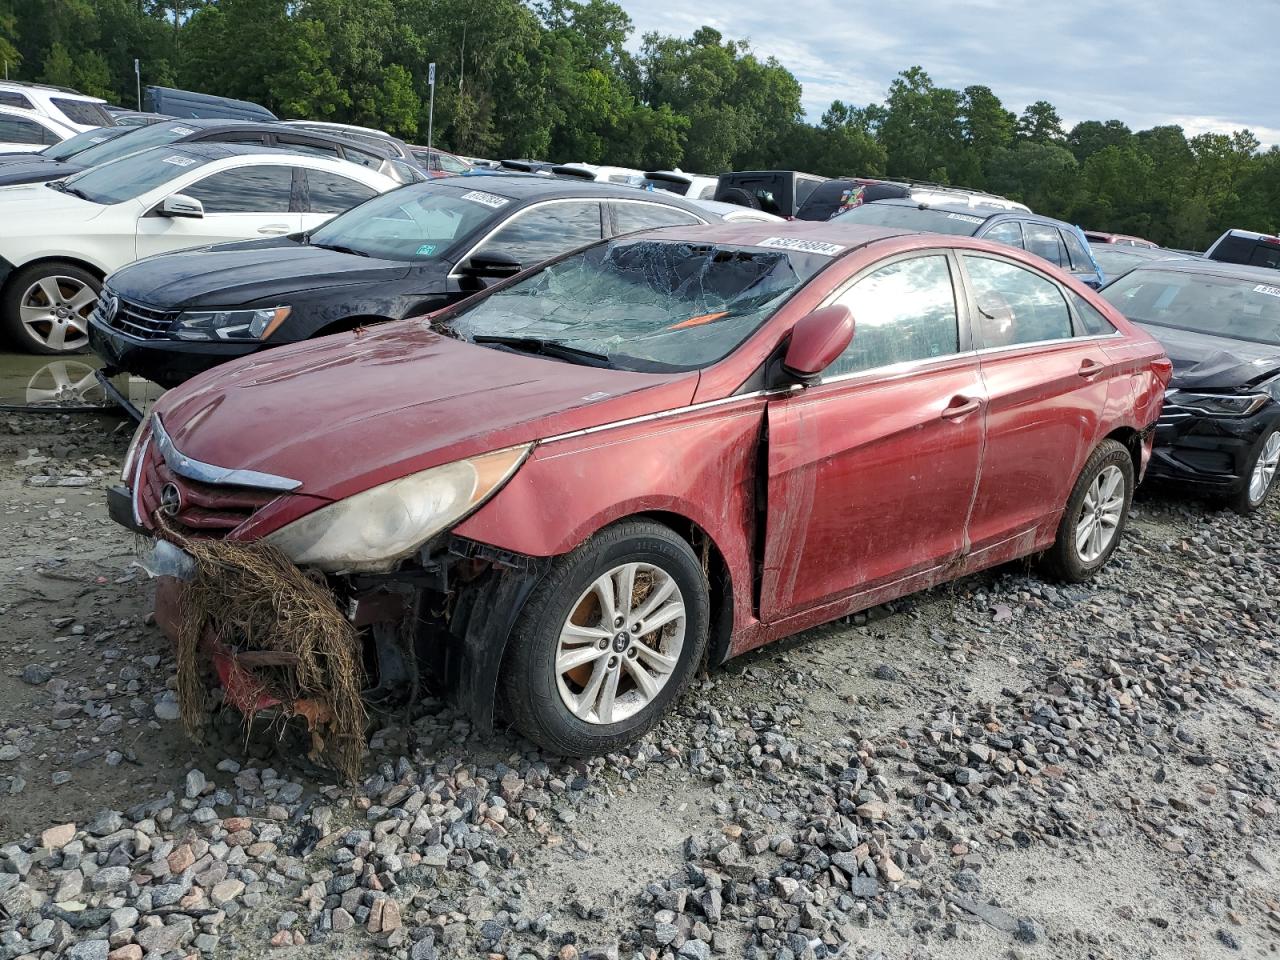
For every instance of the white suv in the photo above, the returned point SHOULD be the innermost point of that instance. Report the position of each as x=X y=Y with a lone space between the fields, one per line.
x=22 y=131
x=72 y=109
x=62 y=238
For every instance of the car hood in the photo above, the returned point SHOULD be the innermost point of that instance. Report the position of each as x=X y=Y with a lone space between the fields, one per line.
x=33 y=170
x=347 y=412
x=1206 y=362
x=32 y=208
x=229 y=275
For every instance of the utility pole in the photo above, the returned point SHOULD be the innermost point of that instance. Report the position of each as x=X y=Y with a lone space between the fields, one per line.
x=137 y=76
x=431 y=110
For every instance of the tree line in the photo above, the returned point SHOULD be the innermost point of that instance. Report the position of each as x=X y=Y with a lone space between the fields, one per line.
x=556 y=79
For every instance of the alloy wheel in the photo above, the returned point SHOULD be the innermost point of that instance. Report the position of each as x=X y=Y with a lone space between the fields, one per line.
x=67 y=382
x=1100 y=514
x=1264 y=471
x=621 y=644
x=55 y=312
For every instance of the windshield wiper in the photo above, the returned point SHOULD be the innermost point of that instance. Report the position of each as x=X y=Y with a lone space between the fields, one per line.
x=338 y=248
x=547 y=348
x=61 y=187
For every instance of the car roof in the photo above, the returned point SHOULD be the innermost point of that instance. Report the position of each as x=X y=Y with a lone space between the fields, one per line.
x=530 y=186
x=1217 y=268
x=751 y=233
x=214 y=150
x=62 y=92
x=984 y=211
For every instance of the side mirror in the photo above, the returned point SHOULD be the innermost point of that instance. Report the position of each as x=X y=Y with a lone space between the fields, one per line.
x=816 y=340
x=490 y=266
x=180 y=205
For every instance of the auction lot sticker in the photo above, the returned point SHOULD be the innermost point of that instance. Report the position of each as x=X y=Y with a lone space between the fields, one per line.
x=1268 y=290
x=180 y=161
x=801 y=246
x=488 y=199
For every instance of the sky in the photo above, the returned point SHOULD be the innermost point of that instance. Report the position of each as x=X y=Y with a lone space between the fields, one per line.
x=1205 y=65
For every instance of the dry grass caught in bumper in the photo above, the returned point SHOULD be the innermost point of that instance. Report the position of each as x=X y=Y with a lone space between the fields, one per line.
x=251 y=597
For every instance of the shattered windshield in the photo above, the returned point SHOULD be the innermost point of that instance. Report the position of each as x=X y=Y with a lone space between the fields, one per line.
x=641 y=304
x=1222 y=306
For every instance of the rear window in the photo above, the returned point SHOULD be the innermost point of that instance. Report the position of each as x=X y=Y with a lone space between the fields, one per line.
x=911 y=217
x=1255 y=252
x=671 y=186
x=1222 y=306
x=84 y=111
x=645 y=304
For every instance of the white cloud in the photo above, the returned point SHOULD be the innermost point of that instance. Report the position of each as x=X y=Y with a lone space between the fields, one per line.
x=1145 y=62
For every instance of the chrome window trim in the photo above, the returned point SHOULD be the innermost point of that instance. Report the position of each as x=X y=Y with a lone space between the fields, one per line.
x=203 y=472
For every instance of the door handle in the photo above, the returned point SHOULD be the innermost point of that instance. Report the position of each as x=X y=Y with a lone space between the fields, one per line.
x=274 y=229
x=960 y=407
x=1089 y=368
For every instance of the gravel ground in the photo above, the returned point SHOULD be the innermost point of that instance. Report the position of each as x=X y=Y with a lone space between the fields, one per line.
x=998 y=768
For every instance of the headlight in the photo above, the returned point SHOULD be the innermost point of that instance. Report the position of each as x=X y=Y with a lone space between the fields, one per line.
x=372 y=530
x=230 y=324
x=1219 y=404
x=135 y=445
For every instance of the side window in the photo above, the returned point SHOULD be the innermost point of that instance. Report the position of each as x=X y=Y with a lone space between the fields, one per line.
x=546 y=231
x=1092 y=322
x=10 y=99
x=1081 y=262
x=18 y=130
x=649 y=216
x=1043 y=241
x=330 y=193
x=1015 y=305
x=258 y=189
x=49 y=136
x=451 y=164
x=1009 y=232
x=903 y=311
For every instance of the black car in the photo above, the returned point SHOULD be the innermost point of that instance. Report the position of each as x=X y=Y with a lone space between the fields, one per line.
x=1219 y=433
x=39 y=169
x=1060 y=243
x=399 y=255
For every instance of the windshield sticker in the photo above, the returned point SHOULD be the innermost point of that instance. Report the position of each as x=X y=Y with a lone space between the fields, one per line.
x=801 y=246
x=965 y=217
x=488 y=199
x=179 y=161
x=1268 y=290
x=182 y=131
x=97 y=139
x=426 y=250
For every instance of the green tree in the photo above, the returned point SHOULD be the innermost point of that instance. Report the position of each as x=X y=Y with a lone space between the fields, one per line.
x=1040 y=123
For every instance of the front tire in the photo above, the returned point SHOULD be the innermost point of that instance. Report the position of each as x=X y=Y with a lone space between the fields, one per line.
x=607 y=641
x=1093 y=522
x=45 y=308
x=1262 y=475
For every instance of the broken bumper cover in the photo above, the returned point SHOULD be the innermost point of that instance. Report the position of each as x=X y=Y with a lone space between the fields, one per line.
x=1207 y=453
x=465 y=651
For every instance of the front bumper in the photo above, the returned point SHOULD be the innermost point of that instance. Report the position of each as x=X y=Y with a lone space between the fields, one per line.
x=163 y=361
x=1208 y=454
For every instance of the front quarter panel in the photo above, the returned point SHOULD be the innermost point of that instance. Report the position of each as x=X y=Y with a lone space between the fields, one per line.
x=699 y=464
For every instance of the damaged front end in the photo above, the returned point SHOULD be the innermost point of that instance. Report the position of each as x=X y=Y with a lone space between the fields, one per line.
x=337 y=610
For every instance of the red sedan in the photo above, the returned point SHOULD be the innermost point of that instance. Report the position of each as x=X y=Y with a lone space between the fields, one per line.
x=669 y=447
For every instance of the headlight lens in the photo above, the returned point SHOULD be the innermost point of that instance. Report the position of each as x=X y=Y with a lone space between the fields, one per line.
x=135 y=445
x=372 y=530
x=230 y=324
x=1219 y=404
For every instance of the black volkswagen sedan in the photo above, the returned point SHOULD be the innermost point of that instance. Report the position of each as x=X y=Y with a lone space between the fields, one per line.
x=1220 y=324
x=402 y=254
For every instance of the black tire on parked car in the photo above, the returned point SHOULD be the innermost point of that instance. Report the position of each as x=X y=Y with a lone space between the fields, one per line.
x=627 y=612
x=45 y=308
x=1093 y=523
x=1262 y=469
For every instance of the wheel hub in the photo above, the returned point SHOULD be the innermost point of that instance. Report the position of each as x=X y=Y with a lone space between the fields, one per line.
x=621 y=640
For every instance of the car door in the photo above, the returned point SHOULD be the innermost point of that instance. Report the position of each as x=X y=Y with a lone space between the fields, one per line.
x=326 y=194
x=1046 y=389
x=244 y=202
x=872 y=472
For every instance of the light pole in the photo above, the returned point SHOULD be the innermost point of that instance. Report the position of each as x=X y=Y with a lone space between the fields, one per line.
x=431 y=110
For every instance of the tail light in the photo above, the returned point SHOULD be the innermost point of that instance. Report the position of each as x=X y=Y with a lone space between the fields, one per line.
x=1162 y=367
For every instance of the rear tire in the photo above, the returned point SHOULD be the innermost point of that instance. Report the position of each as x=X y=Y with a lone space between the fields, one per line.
x=1261 y=477
x=580 y=686
x=45 y=307
x=1093 y=522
